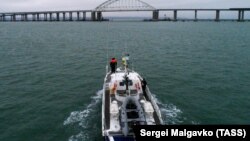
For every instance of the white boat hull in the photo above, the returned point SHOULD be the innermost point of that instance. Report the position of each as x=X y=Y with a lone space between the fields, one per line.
x=124 y=104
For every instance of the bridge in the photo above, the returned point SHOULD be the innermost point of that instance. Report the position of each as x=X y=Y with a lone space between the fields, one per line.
x=113 y=6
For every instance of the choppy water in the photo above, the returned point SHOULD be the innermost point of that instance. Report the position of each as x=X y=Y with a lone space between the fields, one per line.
x=52 y=74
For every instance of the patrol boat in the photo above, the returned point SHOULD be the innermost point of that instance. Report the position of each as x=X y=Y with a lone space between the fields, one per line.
x=125 y=103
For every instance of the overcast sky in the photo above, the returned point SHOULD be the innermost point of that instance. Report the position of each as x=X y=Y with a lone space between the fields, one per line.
x=39 y=5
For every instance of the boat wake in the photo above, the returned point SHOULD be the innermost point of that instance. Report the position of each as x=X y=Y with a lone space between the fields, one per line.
x=82 y=118
x=170 y=113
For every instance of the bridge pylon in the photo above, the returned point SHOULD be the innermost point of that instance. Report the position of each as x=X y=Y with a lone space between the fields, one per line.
x=155 y=15
x=93 y=16
x=99 y=16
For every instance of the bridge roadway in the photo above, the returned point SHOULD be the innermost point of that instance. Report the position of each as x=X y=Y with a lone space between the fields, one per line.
x=95 y=15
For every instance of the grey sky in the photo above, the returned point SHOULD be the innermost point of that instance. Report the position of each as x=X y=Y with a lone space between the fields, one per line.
x=38 y=5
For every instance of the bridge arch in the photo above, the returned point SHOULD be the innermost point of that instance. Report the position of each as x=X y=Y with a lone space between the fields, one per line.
x=124 y=5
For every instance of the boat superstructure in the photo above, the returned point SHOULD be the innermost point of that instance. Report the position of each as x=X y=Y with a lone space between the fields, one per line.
x=126 y=102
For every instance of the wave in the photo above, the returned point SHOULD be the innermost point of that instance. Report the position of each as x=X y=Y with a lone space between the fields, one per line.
x=170 y=113
x=83 y=117
x=81 y=136
x=80 y=116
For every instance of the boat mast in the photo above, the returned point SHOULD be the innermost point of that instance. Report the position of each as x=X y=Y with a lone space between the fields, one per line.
x=107 y=53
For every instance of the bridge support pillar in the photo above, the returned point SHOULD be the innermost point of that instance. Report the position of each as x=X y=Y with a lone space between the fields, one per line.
x=70 y=16
x=78 y=16
x=217 y=18
x=195 y=15
x=33 y=17
x=241 y=16
x=22 y=17
x=37 y=17
x=57 y=16
x=25 y=17
x=84 y=16
x=50 y=17
x=93 y=16
x=175 y=15
x=155 y=15
x=13 y=18
x=99 y=16
x=4 y=17
x=45 y=17
x=64 y=18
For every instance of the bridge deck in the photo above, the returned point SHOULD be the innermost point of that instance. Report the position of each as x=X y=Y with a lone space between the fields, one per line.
x=97 y=15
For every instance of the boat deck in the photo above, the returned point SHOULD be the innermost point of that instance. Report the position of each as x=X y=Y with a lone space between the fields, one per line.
x=107 y=105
